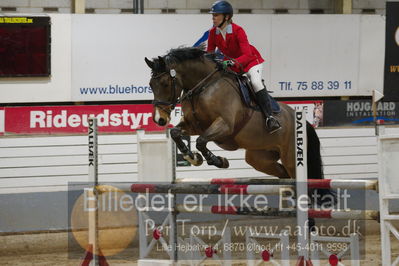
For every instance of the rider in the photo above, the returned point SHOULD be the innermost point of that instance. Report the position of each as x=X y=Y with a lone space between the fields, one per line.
x=232 y=40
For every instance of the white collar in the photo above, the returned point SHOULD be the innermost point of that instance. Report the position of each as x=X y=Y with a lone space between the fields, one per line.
x=227 y=29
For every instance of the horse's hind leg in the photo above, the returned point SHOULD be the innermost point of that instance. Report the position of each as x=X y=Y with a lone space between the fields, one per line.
x=266 y=162
x=217 y=130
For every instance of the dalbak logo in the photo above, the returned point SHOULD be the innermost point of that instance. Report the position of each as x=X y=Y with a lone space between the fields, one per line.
x=397 y=36
x=91 y=142
x=299 y=139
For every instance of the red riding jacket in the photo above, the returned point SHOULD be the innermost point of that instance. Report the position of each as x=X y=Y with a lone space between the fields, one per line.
x=236 y=46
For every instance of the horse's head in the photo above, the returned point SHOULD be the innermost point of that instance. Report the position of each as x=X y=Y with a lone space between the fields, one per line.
x=181 y=68
x=164 y=85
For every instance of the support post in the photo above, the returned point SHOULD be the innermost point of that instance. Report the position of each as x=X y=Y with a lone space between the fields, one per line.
x=159 y=151
x=302 y=201
x=388 y=157
x=79 y=6
x=343 y=6
x=93 y=180
x=93 y=255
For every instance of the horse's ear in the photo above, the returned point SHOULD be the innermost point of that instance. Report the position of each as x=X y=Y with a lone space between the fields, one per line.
x=161 y=61
x=150 y=64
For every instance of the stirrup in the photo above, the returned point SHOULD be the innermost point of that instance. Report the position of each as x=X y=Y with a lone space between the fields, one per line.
x=272 y=124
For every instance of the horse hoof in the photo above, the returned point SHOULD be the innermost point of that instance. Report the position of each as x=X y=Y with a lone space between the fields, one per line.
x=224 y=163
x=197 y=159
x=219 y=162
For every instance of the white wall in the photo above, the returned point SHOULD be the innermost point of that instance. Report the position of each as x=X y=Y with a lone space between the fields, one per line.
x=110 y=50
x=297 y=48
x=372 y=40
x=104 y=51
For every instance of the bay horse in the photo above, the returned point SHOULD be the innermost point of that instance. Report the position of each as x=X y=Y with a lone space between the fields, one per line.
x=214 y=110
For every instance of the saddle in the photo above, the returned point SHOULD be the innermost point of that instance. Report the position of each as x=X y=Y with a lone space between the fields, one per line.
x=248 y=95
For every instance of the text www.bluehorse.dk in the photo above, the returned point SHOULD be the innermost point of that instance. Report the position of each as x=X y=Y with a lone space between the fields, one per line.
x=116 y=89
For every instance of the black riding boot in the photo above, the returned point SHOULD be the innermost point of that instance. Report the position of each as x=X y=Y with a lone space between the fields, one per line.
x=263 y=100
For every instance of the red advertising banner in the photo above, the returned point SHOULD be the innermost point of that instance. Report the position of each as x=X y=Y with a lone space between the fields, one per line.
x=73 y=119
x=111 y=118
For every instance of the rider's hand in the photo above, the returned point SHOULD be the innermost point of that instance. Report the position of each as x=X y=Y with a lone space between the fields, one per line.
x=228 y=63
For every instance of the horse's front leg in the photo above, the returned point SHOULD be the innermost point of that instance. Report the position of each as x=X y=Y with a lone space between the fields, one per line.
x=193 y=157
x=218 y=129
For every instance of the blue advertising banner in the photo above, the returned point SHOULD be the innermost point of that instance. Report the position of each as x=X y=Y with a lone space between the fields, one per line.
x=359 y=113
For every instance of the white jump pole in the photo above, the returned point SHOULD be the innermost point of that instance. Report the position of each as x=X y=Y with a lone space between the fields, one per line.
x=302 y=203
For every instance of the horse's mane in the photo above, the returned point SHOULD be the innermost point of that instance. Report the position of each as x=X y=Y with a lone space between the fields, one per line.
x=180 y=55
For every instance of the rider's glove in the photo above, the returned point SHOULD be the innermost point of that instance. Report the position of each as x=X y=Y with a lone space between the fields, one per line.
x=227 y=63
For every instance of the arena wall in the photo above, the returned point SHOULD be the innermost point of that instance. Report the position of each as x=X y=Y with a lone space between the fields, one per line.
x=191 y=6
x=101 y=58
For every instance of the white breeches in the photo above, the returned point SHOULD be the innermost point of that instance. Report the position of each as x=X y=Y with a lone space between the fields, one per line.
x=255 y=75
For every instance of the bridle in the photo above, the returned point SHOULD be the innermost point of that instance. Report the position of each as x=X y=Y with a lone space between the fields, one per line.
x=172 y=104
x=175 y=100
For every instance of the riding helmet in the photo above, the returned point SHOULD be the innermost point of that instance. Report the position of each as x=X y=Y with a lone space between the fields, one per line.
x=221 y=7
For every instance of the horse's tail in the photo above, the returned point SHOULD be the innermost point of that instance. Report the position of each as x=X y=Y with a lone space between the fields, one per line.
x=315 y=163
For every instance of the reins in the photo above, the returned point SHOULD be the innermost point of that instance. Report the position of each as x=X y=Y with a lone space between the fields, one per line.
x=199 y=84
